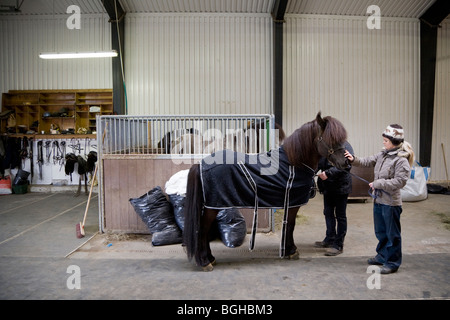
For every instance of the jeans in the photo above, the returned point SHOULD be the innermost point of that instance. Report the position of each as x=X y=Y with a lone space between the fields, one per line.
x=388 y=232
x=335 y=207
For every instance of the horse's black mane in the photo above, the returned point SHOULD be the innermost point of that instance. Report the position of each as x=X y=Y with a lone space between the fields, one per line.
x=300 y=146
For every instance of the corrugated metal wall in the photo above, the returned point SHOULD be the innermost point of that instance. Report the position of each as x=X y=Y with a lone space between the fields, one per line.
x=222 y=63
x=23 y=39
x=441 y=128
x=184 y=6
x=389 y=8
x=198 y=63
x=366 y=78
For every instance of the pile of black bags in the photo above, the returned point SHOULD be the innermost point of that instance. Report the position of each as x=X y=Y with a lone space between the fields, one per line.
x=156 y=212
x=164 y=218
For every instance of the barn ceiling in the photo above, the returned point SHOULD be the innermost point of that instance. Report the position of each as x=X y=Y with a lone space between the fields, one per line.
x=389 y=8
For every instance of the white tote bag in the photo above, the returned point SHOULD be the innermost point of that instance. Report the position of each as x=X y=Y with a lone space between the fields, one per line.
x=416 y=186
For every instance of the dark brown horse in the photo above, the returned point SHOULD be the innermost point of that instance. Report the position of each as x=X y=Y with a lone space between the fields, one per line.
x=280 y=178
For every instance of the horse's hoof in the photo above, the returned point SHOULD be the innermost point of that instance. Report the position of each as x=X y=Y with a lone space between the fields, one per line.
x=212 y=260
x=209 y=267
x=294 y=256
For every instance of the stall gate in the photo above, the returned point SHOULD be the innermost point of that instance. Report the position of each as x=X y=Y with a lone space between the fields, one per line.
x=138 y=153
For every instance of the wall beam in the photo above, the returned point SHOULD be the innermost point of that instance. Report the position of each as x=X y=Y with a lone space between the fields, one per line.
x=117 y=19
x=278 y=11
x=429 y=22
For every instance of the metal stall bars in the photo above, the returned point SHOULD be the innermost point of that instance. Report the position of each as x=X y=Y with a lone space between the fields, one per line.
x=160 y=145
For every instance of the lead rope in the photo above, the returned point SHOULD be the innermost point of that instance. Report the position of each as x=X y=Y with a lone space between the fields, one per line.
x=376 y=192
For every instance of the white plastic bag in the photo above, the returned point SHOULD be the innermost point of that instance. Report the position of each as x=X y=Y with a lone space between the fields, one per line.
x=177 y=184
x=416 y=186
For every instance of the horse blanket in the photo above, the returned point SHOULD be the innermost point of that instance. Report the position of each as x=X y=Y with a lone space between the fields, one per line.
x=265 y=180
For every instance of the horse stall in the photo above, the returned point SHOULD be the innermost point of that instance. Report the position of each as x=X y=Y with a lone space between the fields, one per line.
x=138 y=153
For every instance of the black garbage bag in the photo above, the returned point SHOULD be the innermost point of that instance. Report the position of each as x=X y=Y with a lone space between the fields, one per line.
x=177 y=202
x=156 y=212
x=229 y=226
x=169 y=235
x=21 y=178
x=437 y=189
x=232 y=227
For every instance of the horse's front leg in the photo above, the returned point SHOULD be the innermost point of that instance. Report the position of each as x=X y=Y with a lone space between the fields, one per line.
x=205 y=258
x=291 y=250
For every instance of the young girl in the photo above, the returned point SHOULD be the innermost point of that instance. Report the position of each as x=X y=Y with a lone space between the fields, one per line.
x=391 y=171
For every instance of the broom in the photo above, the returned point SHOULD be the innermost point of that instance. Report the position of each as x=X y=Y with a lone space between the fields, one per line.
x=80 y=226
x=445 y=164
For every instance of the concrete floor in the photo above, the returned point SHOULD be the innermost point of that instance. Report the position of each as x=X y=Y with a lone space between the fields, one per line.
x=41 y=258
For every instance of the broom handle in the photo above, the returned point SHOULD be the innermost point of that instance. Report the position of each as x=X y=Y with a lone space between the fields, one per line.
x=90 y=194
x=92 y=182
x=445 y=164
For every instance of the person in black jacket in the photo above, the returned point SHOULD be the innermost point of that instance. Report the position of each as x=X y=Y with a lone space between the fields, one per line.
x=335 y=185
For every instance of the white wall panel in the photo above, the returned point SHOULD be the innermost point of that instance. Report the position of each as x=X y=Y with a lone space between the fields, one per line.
x=388 y=8
x=229 y=6
x=23 y=38
x=198 y=63
x=50 y=7
x=441 y=128
x=366 y=78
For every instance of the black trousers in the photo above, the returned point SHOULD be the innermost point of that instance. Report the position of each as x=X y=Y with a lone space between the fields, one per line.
x=335 y=208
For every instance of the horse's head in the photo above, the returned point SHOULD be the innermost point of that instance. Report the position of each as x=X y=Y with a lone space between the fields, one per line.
x=322 y=137
x=330 y=141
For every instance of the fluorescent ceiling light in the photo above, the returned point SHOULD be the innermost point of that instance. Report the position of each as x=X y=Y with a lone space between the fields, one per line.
x=78 y=55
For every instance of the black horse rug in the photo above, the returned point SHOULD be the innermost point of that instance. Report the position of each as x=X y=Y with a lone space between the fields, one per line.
x=266 y=180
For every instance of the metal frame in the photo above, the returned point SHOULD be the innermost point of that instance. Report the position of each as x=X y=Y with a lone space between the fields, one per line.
x=142 y=137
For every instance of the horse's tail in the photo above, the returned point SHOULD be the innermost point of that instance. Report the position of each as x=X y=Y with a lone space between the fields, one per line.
x=193 y=207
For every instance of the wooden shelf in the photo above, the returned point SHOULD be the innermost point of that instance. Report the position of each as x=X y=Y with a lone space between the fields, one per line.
x=54 y=136
x=38 y=110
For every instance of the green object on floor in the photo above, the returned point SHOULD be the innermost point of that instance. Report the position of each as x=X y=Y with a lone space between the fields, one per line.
x=20 y=189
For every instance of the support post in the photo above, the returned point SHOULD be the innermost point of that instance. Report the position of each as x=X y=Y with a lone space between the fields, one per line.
x=278 y=11
x=117 y=19
x=429 y=23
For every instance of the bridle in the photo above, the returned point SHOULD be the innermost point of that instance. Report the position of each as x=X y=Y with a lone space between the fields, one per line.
x=330 y=150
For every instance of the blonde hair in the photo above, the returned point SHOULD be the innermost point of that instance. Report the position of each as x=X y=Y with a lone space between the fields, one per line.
x=406 y=151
